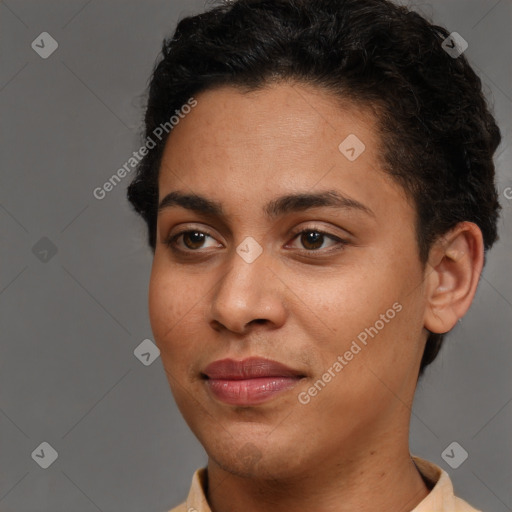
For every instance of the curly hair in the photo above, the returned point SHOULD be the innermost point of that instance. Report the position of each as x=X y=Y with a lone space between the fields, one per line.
x=437 y=133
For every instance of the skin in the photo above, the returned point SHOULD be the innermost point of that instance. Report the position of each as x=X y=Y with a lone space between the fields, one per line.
x=347 y=449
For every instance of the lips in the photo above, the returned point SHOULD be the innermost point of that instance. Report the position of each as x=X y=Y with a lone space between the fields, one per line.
x=249 y=381
x=251 y=368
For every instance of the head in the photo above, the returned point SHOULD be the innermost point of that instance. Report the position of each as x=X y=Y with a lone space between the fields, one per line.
x=275 y=92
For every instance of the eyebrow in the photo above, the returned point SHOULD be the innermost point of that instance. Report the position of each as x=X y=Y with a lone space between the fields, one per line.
x=274 y=208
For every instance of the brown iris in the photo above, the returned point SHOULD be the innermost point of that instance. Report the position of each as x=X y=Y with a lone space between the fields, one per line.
x=196 y=239
x=312 y=238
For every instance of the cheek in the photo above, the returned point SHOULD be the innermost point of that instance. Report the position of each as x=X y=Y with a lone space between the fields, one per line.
x=352 y=297
x=173 y=306
x=376 y=303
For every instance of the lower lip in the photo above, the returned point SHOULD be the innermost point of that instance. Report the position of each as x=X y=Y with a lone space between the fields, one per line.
x=250 y=391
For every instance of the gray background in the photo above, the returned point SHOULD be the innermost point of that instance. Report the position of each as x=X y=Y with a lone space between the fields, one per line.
x=70 y=324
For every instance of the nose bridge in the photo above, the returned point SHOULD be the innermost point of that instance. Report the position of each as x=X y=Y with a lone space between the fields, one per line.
x=246 y=279
x=247 y=291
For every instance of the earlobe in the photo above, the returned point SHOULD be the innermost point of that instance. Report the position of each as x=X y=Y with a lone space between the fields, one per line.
x=455 y=265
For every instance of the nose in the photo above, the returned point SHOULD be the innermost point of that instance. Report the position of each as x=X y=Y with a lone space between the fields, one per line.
x=248 y=294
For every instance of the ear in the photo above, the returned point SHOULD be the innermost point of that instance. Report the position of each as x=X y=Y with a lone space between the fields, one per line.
x=453 y=270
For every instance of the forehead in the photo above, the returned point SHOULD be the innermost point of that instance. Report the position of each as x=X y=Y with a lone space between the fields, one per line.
x=281 y=117
x=281 y=138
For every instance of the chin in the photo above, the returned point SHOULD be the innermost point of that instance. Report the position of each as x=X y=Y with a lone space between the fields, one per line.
x=267 y=459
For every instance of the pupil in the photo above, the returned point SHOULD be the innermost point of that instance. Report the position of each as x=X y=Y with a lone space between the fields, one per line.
x=195 y=237
x=312 y=238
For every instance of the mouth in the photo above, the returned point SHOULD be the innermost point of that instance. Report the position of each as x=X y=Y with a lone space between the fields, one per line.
x=250 y=381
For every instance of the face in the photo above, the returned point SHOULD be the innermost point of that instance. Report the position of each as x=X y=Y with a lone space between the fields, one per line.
x=286 y=294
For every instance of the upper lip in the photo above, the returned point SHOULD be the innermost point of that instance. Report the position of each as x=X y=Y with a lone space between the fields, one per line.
x=250 y=368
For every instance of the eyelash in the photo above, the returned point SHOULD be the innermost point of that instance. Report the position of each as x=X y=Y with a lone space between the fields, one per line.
x=171 y=241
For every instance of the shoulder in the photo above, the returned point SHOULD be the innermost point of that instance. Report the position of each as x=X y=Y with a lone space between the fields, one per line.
x=196 y=500
x=182 y=507
x=441 y=497
x=462 y=506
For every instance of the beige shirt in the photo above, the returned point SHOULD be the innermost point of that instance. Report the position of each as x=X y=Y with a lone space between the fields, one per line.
x=440 y=498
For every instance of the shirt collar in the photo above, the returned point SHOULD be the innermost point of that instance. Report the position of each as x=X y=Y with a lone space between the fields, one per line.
x=440 y=499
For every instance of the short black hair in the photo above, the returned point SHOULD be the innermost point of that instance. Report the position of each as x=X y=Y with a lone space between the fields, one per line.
x=437 y=133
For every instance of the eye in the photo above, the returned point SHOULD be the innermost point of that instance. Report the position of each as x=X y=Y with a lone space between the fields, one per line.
x=192 y=239
x=313 y=239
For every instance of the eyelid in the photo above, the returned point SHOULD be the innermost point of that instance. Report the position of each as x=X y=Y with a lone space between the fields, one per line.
x=316 y=229
x=171 y=239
